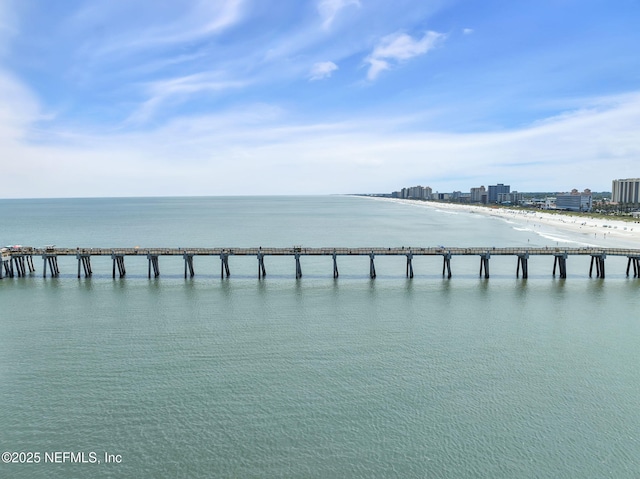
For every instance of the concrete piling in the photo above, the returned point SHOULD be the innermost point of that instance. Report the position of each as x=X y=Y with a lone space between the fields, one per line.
x=152 y=259
x=372 y=266
x=484 y=264
x=446 y=264
x=118 y=261
x=50 y=260
x=523 y=261
x=298 y=267
x=598 y=259
x=635 y=261
x=224 y=265
x=560 y=260
x=409 y=272
x=262 y=272
x=84 y=261
x=188 y=264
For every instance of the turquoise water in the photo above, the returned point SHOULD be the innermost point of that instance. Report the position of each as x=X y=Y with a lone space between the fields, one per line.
x=317 y=377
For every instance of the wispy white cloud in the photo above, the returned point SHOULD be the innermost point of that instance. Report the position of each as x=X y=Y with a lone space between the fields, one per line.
x=329 y=9
x=203 y=83
x=261 y=151
x=166 y=63
x=399 y=47
x=322 y=70
x=467 y=31
x=18 y=108
x=205 y=18
x=178 y=90
x=143 y=26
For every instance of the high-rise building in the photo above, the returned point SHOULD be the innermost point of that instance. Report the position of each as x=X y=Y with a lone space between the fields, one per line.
x=626 y=191
x=495 y=190
x=418 y=192
x=478 y=195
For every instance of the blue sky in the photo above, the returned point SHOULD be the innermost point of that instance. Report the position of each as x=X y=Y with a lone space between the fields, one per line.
x=250 y=97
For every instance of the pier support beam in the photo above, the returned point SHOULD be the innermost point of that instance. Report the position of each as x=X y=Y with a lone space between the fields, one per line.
x=484 y=264
x=188 y=264
x=598 y=259
x=118 y=260
x=335 y=264
x=52 y=261
x=298 y=267
x=224 y=265
x=560 y=260
x=372 y=266
x=30 y=264
x=7 y=266
x=153 y=263
x=21 y=266
x=18 y=265
x=262 y=272
x=15 y=266
x=446 y=264
x=635 y=261
x=409 y=265
x=84 y=260
x=523 y=261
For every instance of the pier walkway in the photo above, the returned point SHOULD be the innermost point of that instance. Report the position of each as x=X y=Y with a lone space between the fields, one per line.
x=17 y=261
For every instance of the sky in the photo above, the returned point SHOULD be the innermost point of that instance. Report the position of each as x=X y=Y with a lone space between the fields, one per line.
x=294 y=97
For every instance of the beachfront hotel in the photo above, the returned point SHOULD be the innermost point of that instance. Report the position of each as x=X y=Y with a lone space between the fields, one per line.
x=575 y=201
x=414 y=192
x=479 y=195
x=495 y=190
x=626 y=191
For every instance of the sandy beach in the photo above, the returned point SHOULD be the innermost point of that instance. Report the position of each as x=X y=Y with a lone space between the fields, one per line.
x=585 y=231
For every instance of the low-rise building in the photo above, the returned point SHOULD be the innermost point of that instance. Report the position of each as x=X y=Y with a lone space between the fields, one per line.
x=549 y=203
x=574 y=201
x=512 y=198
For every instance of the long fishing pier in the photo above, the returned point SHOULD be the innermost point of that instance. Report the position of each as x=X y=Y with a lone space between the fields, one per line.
x=17 y=261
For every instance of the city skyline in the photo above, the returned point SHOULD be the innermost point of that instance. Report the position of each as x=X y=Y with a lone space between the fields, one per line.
x=237 y=97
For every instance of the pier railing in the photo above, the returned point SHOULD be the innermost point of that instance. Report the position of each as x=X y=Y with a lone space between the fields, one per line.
x=321 y=251
x=18 y=260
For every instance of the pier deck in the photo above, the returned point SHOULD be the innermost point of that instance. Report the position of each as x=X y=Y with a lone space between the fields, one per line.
x=18 y=259
x=325 y=251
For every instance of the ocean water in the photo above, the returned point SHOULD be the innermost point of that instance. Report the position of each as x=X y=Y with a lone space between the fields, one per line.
x=314 y=378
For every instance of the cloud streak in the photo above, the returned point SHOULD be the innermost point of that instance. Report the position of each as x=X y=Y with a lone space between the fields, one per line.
x=397 y=48
x=178 y=90
x=18 y=108
x=151 y=27
x=329 y=9
x=263 y=152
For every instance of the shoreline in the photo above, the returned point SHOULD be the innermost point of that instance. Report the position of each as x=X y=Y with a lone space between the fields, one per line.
x=593 y=231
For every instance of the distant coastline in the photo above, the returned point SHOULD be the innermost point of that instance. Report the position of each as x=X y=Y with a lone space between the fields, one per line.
x=592 y=228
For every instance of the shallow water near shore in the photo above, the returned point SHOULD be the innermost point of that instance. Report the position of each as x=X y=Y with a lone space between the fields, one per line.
x=240 y=377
